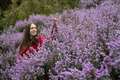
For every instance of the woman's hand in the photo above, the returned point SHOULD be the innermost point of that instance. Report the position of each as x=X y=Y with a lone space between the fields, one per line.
x=55 y=20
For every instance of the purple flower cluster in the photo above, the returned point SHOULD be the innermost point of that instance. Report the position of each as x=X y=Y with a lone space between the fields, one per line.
x=87 y=46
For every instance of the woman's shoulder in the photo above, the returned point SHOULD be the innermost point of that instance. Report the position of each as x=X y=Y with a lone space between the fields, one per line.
x=41 y=36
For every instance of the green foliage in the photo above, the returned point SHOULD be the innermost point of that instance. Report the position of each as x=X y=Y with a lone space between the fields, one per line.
x=21 y=9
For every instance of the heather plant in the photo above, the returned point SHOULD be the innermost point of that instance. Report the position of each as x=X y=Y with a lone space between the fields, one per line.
x=85 y=46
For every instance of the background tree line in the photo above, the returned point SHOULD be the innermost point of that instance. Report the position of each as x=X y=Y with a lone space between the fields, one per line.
x=13 y=10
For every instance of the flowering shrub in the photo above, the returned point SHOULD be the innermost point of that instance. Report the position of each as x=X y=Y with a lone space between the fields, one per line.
x=86 y=47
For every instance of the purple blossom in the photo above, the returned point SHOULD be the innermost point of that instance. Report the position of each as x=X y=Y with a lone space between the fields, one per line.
x=83 y=39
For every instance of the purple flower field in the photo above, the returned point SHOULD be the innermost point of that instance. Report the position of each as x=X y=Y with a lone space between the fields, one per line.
x=86 y=46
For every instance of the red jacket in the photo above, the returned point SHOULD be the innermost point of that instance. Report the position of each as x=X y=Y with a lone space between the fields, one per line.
x=41 y=40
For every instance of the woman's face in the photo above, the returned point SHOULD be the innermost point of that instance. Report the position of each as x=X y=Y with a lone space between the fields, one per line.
x=33 y=30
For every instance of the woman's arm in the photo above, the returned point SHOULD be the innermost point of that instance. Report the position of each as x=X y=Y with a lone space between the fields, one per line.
x=41 y=40
x=54 y=28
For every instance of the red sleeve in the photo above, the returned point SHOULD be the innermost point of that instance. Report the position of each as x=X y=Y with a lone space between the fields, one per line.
x=41 y=39
x=23 y=51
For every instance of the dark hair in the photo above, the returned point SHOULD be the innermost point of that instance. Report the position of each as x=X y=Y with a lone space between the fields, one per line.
x=28 y=40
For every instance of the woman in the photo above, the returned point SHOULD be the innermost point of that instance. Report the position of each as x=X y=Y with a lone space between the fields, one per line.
x=31 y=40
